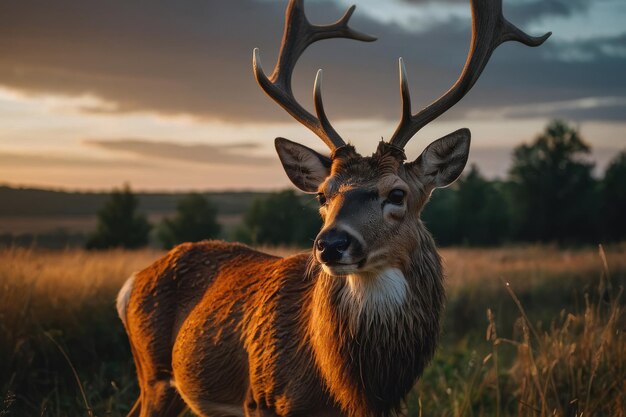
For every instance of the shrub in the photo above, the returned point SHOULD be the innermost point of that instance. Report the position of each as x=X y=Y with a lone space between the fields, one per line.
x=195 y=220
x=120 y=224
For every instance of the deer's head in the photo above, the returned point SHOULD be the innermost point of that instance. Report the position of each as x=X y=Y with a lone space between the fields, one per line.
x=371 y=205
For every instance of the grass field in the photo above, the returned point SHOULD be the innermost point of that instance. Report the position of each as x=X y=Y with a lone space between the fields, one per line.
x=561 y=351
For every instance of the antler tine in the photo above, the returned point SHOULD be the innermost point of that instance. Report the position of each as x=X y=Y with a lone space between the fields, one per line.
x=489 y=30
x=319 y=104
x=405 y=93
x=298 y=35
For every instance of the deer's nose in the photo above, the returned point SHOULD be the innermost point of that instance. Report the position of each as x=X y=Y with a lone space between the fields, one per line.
x=331 y=244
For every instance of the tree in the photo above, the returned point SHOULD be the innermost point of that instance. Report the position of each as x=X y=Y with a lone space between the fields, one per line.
x=119 y=223
x=195 y=220
x=552 y=189
x=280 y=219
x=439 y=216
x=481 y=210
x=614 y=199
x=473 y=211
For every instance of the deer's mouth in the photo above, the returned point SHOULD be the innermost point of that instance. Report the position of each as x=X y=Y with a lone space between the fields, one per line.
x=339 y=269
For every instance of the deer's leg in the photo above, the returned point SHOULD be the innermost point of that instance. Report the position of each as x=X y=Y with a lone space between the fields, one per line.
x=136 y=409
x=253 y=409
x=160 y=399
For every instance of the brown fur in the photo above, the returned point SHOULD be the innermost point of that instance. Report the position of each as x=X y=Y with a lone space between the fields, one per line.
x=343 y=331
x=242 y=332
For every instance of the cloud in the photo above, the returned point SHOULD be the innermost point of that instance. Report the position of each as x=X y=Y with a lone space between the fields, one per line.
x=233 y=155
x=194 y=58
x=525 y=11
x=39 y=161
x=604 y=108
x=592 y=50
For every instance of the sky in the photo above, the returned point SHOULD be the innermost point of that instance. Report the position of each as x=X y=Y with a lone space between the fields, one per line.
x=161 y=94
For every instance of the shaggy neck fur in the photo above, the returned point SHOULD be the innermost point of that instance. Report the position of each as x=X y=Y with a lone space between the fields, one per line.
x=373 y=298
x=373 y=335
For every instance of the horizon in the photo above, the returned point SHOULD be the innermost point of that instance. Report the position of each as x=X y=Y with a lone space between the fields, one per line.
x=600 y=165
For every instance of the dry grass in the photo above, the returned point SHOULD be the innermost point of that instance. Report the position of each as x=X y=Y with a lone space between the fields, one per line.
x=526 y=265
x=74 y=275
x=574 y=367
x=574 y=364
x=68 y=296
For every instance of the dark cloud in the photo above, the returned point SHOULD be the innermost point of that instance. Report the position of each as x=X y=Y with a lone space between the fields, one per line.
x=529 y=11
x=194 y=57
x=600 y=108
x=524 y=11
x=233 y=154
x=592 y=50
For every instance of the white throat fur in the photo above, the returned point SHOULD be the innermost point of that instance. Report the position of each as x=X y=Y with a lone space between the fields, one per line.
x=375 y=298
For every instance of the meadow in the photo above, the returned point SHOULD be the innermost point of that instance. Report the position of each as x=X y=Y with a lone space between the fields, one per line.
x=528 y=331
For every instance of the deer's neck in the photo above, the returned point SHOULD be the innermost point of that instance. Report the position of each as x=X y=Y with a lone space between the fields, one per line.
x=373 y=334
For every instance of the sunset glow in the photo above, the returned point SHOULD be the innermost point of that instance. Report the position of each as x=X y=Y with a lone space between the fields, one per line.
x=164 y=97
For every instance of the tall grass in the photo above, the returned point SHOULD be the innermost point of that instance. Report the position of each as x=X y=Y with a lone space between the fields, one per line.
x=565 y=356
x=65 y=298
x=574 y=367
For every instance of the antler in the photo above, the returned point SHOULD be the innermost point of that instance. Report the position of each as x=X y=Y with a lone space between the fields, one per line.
x=299 y=34
x=489 y=30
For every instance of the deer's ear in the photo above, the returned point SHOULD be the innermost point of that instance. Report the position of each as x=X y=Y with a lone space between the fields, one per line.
x=442 y=161
x=306 y=168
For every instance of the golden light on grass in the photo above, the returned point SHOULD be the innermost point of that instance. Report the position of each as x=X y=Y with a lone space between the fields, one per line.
x=573 y=363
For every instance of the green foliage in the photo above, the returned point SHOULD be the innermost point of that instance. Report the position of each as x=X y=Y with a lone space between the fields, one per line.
x=439 y=215
x=195 y=220
x=119 y=223
x=473 y=212
x=280 y=219
x=482 y=210
x=614 y=199
x=553 y=192
x=549 y=196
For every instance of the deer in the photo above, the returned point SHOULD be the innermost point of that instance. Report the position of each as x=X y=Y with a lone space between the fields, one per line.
x=345 y=329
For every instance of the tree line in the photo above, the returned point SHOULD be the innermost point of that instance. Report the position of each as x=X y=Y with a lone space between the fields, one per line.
x=549 y=195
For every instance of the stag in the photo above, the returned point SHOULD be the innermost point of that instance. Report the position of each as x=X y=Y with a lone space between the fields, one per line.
x=344 y=330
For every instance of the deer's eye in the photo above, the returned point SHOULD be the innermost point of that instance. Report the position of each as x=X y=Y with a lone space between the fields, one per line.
x=321 y=198
x=396 y=197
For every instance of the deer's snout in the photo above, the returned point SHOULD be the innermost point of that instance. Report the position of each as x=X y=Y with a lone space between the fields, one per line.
x=331 y=244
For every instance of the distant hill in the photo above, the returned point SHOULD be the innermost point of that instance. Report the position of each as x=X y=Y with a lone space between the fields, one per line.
x=57 y=219
x=37 y=202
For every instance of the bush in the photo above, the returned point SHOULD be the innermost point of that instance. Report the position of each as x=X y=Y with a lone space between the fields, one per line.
x=474 y=212
x=280 y=219
x=119 y=223
x=195 y=220
x=614 y=199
